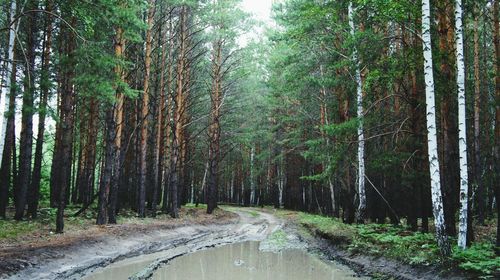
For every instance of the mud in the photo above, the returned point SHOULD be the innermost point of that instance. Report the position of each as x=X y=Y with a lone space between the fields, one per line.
x=152 y=249
x=82 y=258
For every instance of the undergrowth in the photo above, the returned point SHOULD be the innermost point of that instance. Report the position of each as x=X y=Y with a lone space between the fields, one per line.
x=400 y=244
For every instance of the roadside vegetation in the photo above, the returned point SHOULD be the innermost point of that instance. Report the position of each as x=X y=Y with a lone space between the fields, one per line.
x=402 y=245
x=41 y=230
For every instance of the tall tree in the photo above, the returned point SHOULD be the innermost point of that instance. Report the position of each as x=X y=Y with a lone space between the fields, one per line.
x=464 y=183
x=34 y=192
x=67 y=119
x=26 y=141
x=144 y=113
x=361 y=137
x=496 y=43
x=9 y=66
x=437 y=200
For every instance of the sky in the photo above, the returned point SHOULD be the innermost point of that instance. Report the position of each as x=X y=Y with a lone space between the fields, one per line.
x=260 y=8
x=261 y=11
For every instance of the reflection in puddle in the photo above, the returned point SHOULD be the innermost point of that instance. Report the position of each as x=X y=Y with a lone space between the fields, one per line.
x=244 y=261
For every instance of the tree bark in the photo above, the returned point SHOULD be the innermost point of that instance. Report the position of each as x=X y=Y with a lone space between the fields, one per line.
x=7 y=168
x=26 y=141
x=34 y=193
x=214 y=129
x=496 y=43
x=437 y=200
x=8 y=82
x=480 y=196
x=462 y=126
x=144 y=116
x=361 y=139
x=67 y=124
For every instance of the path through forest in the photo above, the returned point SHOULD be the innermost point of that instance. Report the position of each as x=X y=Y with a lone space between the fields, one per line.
x=84 y=258
x=143 y=253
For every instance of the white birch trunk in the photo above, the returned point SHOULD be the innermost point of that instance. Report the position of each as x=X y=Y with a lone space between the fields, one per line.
x=437 y=200
x=462 y=134
x=6 y=89
x=252 y=181
x=231 y=194
x=361 y=136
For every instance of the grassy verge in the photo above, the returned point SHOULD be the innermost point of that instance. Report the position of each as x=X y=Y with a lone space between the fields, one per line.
x=41 y=229
x=399 y=244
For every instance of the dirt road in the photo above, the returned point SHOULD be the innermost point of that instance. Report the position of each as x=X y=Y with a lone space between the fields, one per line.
x=79 y=260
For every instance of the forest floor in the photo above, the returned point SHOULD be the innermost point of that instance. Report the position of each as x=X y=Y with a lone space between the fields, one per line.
x=392 y=252
x=379 y=251
x=31 y=246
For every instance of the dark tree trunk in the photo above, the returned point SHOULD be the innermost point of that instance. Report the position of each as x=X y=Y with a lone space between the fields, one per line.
x=7 y=168
x=449 y=127
x=34 y=194
x=109 y=157
x=26 y=141
x=67 y=126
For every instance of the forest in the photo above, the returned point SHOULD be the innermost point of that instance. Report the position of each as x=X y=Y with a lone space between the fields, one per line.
x=366 y=111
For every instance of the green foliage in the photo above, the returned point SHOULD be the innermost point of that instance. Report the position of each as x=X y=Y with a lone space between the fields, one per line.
x=479 y=258
x=278 y=239
x=10 y=230
x=332 y=228
x=397 y=243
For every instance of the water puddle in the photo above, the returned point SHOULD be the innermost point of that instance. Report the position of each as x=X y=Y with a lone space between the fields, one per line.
x=240 y=261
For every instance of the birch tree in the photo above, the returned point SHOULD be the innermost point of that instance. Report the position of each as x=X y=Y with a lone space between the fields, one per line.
x=361 y=137
x=437 y=200
x=462 y=227
x=6 y=89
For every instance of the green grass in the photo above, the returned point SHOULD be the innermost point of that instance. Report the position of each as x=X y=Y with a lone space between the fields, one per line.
x=400 y=244
x=14 y=229
x=479 y=258
x=254 y=214
x=278 y=238
x=331 y=228
x=192 y=205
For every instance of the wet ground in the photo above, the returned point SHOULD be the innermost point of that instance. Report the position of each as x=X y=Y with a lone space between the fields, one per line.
x=168 y=251
x=238 y=261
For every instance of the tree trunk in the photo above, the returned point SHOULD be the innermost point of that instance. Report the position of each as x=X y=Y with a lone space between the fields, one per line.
x=118 y=127
x=7 y=168
x=462 y=126
x=168 y=118
x=8 y=82
x=26 y=141
x=158 y=149
x=176 y=125
x=144 y=115
x=361 y=139
x=449 y=161
x=34 y=193
x=480 y=196
x=252 y=178
x=496 y=42
x=67 y=123
x=437 y=201
x=214 y=129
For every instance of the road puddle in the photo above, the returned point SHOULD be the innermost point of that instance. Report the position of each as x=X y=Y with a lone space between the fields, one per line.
x=239 y=261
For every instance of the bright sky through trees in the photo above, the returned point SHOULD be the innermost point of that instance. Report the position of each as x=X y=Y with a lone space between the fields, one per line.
x=261 y=11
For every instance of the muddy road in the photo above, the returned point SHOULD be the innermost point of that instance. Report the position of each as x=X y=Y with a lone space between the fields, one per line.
x=80 y=260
